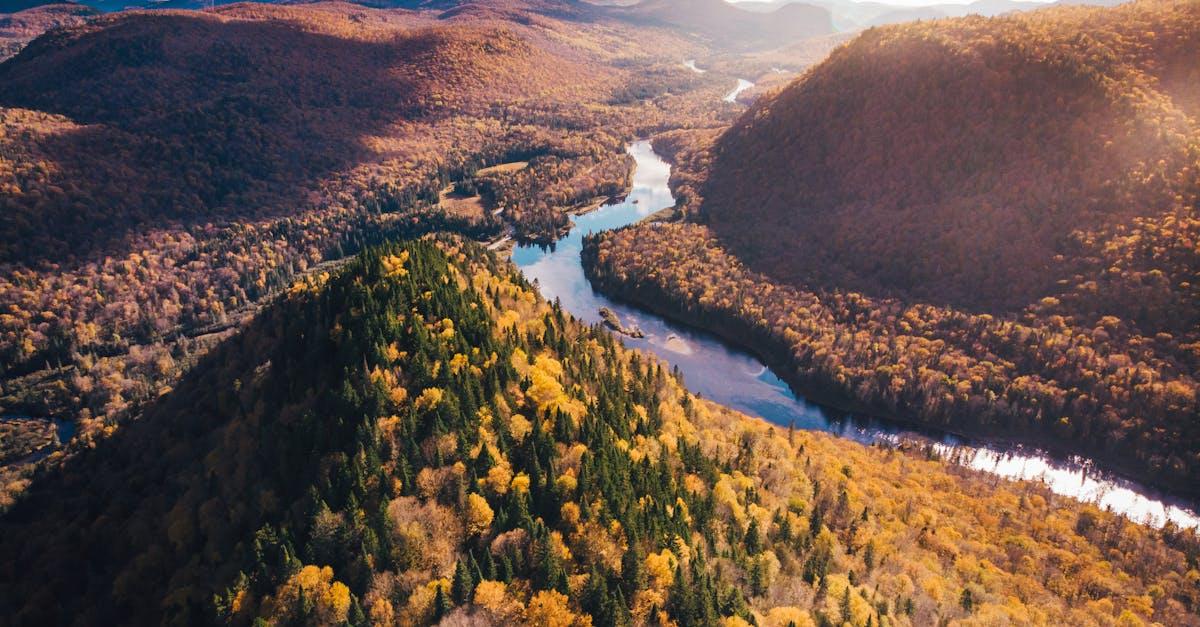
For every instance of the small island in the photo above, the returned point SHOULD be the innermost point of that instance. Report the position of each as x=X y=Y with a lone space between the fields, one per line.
x=614 y=322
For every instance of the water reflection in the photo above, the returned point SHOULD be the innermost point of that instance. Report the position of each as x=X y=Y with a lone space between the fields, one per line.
x=736 y=379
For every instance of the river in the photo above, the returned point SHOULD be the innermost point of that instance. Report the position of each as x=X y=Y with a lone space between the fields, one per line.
x=734 y=378
x=742 y=85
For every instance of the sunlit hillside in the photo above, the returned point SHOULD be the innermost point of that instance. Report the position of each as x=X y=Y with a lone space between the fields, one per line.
x=444 y=446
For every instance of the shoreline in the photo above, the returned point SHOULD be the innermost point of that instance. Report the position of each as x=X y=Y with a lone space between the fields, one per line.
x=1102 y=465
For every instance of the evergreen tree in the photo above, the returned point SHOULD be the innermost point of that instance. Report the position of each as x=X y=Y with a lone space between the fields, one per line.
x=967 y=600
x=463 y=585
x=753 y=540
x=441 y=604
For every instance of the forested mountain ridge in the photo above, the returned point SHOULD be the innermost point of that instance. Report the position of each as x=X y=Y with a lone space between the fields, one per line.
x=983 y=225
x=163 y=173
x=420 y=438
x=260 y=105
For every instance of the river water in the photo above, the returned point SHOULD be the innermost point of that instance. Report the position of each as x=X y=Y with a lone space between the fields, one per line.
x=742 y=85
x=737 y=379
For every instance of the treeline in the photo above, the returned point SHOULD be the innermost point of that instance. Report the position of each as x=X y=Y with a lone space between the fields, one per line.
x=442 y=445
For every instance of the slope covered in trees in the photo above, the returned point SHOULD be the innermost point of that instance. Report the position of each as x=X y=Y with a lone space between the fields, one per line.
x=21 y=26
x=163 y=173
x=984 y=225
x=254 y=107
x=419 y=437
x=952 y=160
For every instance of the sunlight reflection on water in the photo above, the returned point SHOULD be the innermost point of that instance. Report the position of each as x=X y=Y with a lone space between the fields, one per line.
x=737 y=379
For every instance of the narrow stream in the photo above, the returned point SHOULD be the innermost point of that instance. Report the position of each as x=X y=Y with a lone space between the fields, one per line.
x=736 y=379
x=742 y=85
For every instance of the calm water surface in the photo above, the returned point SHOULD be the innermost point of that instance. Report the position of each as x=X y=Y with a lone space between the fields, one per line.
x=735 y=378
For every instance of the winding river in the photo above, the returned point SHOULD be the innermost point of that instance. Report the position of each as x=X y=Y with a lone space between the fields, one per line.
x=736 y=379
x=742 y=85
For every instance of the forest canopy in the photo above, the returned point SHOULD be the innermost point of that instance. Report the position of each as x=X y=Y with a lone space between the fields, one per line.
x=475 y=455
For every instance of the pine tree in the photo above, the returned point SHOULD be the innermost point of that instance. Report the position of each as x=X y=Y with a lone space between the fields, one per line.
x=463 y=585
x=489 y=566
x=967 y=600
x=633 y=577
x=758 y=583
x=753 y=539
x=441 y=604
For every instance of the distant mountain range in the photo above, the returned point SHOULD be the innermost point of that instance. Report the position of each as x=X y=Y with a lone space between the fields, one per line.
x=764 y=26
x=851 y=15
x=725 y=22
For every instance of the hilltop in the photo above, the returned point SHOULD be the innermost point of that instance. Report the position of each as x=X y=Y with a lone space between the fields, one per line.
x=443 y=444
x=20 y=27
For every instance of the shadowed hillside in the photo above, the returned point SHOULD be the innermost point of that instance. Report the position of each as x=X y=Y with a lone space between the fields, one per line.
x=951 y=161
x=190 y=114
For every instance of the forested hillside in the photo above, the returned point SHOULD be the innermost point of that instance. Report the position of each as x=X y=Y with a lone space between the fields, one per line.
x=20 y=27
x=163 y=173
x=420 y=437
x=251 y=109
x=984 y=225
x=952 y=160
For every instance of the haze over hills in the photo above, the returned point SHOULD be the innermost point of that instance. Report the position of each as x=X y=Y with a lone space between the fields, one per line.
x=849 y=15
x=981 y=223
x=728 y=24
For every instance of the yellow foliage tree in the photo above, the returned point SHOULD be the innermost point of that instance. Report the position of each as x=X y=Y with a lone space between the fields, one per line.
x=479 y=514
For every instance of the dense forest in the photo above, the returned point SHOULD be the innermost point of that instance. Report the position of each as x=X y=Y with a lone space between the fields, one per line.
x=951 y=161
x=163 y=174
x=443 y=445
x=984 y=225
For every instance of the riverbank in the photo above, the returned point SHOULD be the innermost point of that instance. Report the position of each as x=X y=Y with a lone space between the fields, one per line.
x=714 y=366
x=776 y=355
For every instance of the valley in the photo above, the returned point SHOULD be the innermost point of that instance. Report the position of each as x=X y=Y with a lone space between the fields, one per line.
x=785 y=253
x=564 y=313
